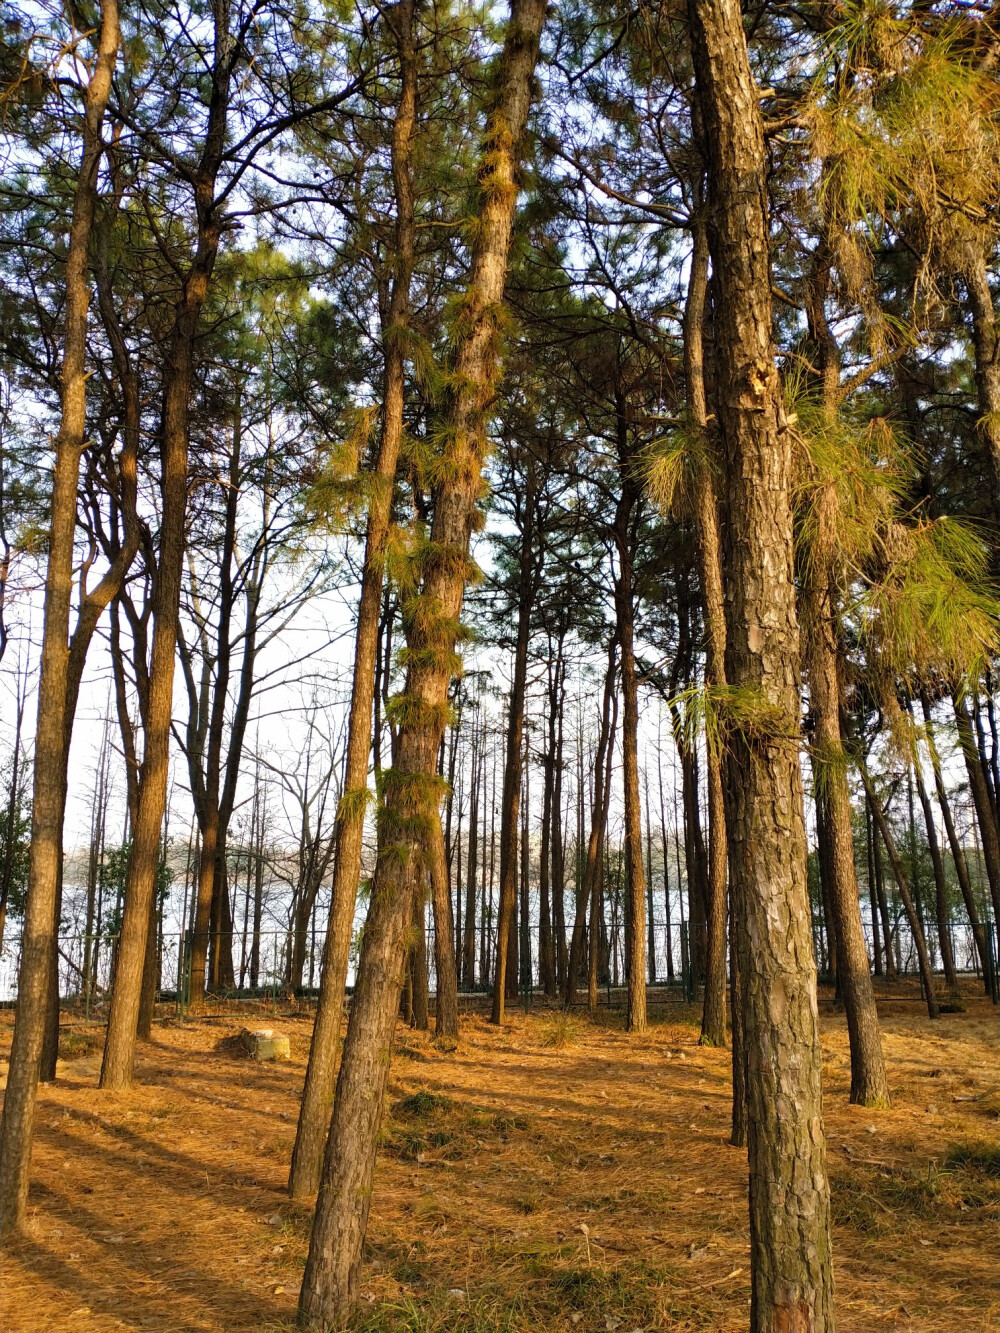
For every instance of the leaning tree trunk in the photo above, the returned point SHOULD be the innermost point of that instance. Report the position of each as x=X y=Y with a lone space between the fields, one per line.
x=790 y=1251
x=314 y=1112
x=38 y=955
x=140 y=885
x=411 y=788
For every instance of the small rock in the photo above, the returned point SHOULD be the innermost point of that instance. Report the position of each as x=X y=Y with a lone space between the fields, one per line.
x=871 y=1129
x=457 y=1294
x=276 y=1220
x=265 y=1044
x=575 y=1317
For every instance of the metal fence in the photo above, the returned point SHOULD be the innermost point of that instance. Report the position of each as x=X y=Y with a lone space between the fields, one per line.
x=86 y=963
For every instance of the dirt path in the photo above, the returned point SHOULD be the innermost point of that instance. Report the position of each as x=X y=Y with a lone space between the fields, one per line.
x=556 y=1176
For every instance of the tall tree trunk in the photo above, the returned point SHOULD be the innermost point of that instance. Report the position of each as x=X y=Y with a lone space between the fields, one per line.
x=940 y=888
x=477 y=781
x=706 y=511
x=986 y=347
x=411 y=789
x=39 y=932
x=591 y=861
x=626 y=515
x=559 y=959
x=899 y=874
x=446 y=1004
x=981 y=800
x=958 y=854
x=790 y=1251
x=511 y=798
x=869 y=1086
x=314 y=1111
x=178 y=377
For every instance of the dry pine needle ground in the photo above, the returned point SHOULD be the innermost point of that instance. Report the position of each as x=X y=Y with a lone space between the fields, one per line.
x=555 y=1176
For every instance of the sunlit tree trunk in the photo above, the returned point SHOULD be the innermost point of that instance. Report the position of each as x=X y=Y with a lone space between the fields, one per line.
x=39 y=931
x=411 y=789
x=790 y=1251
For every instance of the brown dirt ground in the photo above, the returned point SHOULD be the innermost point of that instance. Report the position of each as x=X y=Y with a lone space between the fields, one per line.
x=555 y=1176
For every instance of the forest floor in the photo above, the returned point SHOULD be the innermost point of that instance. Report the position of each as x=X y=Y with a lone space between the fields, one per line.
x=554 y=1176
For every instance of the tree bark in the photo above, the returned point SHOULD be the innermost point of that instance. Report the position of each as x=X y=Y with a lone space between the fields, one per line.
x=706 y=512
x=981 y=800
x=958 y=854
x=916 y=929
x=986 y=348
x=446 y=1003
x=591 y=861
x=314 y=1112
x=626 y=514
x=940 y=887
x=39 y=932
x=791 y=1262
x=411 y=789
x=178 y=376
x=511 y=799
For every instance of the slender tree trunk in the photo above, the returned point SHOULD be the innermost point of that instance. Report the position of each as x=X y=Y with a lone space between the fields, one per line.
x=958 y=855
x=713 y=1022
x=515 y=744
x=38 y=947
x=986 y=347
x=559 y=955
x=314 y=1112
x=940 y=887
x=790 y=1251
x=411 y=789
x=446 y=1004
x=591 y=863
x=916 y=929
x=869 y=1085
x=477 y=781
x=418 y=964
x=981 y=800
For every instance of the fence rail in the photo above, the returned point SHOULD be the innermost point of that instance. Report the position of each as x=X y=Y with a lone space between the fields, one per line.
x=242 y=968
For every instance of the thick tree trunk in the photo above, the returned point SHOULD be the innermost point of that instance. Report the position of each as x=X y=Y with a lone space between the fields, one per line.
x=411 y=789
x=38 y=947
x=791 y=1262
x=314 y=1111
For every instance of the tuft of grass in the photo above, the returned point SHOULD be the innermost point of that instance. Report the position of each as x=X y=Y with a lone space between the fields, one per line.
x=559 y=1031
x=982 y=1160
x=420 y=1104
